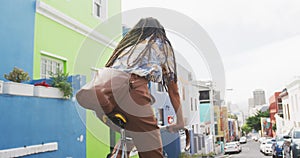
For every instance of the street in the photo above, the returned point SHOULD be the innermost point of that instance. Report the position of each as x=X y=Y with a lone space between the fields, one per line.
x=249 y=150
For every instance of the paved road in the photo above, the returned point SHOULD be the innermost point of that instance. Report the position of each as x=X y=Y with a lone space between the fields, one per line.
x=249 y=150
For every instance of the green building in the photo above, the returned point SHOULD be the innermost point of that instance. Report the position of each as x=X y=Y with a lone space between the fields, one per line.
x=72 y=35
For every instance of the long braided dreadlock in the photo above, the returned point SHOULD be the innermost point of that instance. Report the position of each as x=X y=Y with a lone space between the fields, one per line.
x=146 y=27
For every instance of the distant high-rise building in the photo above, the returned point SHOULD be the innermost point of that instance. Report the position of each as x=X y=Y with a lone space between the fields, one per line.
x=259 y=97
x=251 y=102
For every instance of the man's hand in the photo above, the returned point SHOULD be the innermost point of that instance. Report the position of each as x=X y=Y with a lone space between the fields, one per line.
x=175 y=127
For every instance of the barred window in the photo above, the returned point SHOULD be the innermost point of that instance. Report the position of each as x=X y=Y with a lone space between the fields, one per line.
x=50 y=65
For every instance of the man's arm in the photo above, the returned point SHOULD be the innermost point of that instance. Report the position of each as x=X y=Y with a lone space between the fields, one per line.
x=175 y=100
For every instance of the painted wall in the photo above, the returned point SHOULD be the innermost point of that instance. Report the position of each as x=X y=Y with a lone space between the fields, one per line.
x=82 y=10
x=224 y=121
x=44 y=34
x=204 y=112
x=293 y=89
x=171 y=144
x=266 y=128
x=171 y=141
x=217 y=115
x=273 y=108
x=81 y=53
x=190 y=100
x=59 y=40
x=33 y=120
x=16 y=32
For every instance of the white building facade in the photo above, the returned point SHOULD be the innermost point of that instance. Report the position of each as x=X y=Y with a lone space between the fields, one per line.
x=293 y=90
x=290 y=98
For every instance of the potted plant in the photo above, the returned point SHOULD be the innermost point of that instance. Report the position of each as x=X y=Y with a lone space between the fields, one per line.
x=43 y=89
x=16 y=87
x=60 y=80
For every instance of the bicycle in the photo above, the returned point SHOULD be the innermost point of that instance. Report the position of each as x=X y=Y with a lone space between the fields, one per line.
x=120 y=120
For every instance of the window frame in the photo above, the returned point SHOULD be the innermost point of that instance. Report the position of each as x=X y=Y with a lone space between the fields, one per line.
x=53 y=67
x=103 y=5
x=53 y=58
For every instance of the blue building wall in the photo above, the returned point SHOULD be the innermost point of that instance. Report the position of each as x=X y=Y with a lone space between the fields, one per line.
x=17 y=35
x=168 y=111
x=171 y=141
x=171 y=144
x=28 y=121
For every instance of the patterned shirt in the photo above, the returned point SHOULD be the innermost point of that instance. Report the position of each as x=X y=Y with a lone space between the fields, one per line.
x=153 y=65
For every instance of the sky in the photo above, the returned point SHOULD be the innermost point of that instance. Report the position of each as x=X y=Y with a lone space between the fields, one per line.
x=258 y=41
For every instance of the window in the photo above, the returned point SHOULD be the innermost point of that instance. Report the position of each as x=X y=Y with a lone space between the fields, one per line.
x=192 y=104
x=183 y=93
x=161 y=116
x=204 y=95
x=99 y=9
x=160 y=87
x=196 y=105
x=50 y=65
x=216 y=129
x=296 y=134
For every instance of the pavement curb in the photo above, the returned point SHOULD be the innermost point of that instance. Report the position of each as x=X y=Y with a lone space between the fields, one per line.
x=222 y=156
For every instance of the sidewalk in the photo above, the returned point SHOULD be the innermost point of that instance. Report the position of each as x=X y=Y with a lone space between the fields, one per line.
x=218 y=152
x=221 y=155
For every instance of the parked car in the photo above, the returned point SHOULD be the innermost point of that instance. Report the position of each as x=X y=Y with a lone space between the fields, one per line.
x=243 y=140
x=254 y=138
x=261 y=139
x=277 y=147
x=232 y=147
x=266 y=147
x=294 y=136
x=239 y=145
